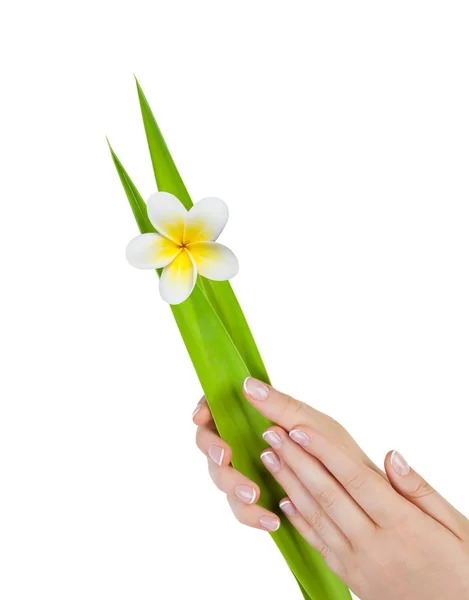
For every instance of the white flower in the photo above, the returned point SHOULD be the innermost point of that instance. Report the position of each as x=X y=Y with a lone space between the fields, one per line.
x=184 y=246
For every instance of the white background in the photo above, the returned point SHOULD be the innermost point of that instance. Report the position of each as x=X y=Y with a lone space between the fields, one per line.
x=338 y=134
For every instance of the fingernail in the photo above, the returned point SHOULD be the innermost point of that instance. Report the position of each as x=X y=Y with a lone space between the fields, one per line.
x=288 y=507
x=245 y=493
x=271 y=461
x=256 y=389
x=300 y=437
x=399 y=464
x=197 y=408
x=269 y=523
x=216 y=453
x=272 y=438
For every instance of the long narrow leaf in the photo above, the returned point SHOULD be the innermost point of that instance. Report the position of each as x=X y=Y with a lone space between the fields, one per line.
x=137 y=204
x=166 y=173
x=222 y=370
x=219 y=293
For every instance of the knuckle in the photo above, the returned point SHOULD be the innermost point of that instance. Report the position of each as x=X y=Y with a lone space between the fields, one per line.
x=355 y=482
x=422 y=489
x=238 y=514
x=240 y=518
x=323 y=550
x=215 y=475
x=316 y=520
x=198 y=438
x=292 y=406
x=327 y=498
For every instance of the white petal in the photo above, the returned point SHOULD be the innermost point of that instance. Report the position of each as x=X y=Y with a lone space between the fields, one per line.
x=167 y=215
x=214 y=260
x=178 y=279
x=205 y=220
x=151 y=251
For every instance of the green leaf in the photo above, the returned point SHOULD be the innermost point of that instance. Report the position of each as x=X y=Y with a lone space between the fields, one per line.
x=137 y=204
x=210 y=321
x=166 y=174
x=219 y=293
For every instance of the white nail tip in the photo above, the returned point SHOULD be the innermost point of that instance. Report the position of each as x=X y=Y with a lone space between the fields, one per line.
x=216 y=456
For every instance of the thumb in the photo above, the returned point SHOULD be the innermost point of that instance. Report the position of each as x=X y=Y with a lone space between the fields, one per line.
x=412 y=486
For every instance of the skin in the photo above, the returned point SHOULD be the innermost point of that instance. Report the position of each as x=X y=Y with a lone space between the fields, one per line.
x=387 y=535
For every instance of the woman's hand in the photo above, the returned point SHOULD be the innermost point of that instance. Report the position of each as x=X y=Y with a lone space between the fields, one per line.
x=388 y=537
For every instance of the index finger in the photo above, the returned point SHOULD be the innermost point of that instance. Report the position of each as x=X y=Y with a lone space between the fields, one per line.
x=279 y=408
x=369 y=490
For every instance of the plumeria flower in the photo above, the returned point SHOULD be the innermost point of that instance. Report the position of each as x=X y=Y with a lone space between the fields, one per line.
x=184 y=245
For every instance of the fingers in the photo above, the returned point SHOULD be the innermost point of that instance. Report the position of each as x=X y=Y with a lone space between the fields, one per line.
x=278 y=407
x=234 y=483
x=312 y=537
x=242 y=493
x=308 y=507
x=210 y=443
x=242 y=496
x=323 y=487
x=254 y=516
x=415 y=489
x=288 y=412
x=370 y=491
x=202 y=414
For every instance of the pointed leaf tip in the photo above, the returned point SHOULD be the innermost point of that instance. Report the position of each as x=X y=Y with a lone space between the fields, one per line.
x=137 y=204
x=166 y=174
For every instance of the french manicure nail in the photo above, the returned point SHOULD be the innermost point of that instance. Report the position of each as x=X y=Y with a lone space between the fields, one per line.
x=271 y=461
x=288 y=507
x=300 y=437
x=197 y=408
x=270 y=523
x=273 y=439
x=216 y=453
x=245 y=493
x=256 y=389
x=399 y=464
